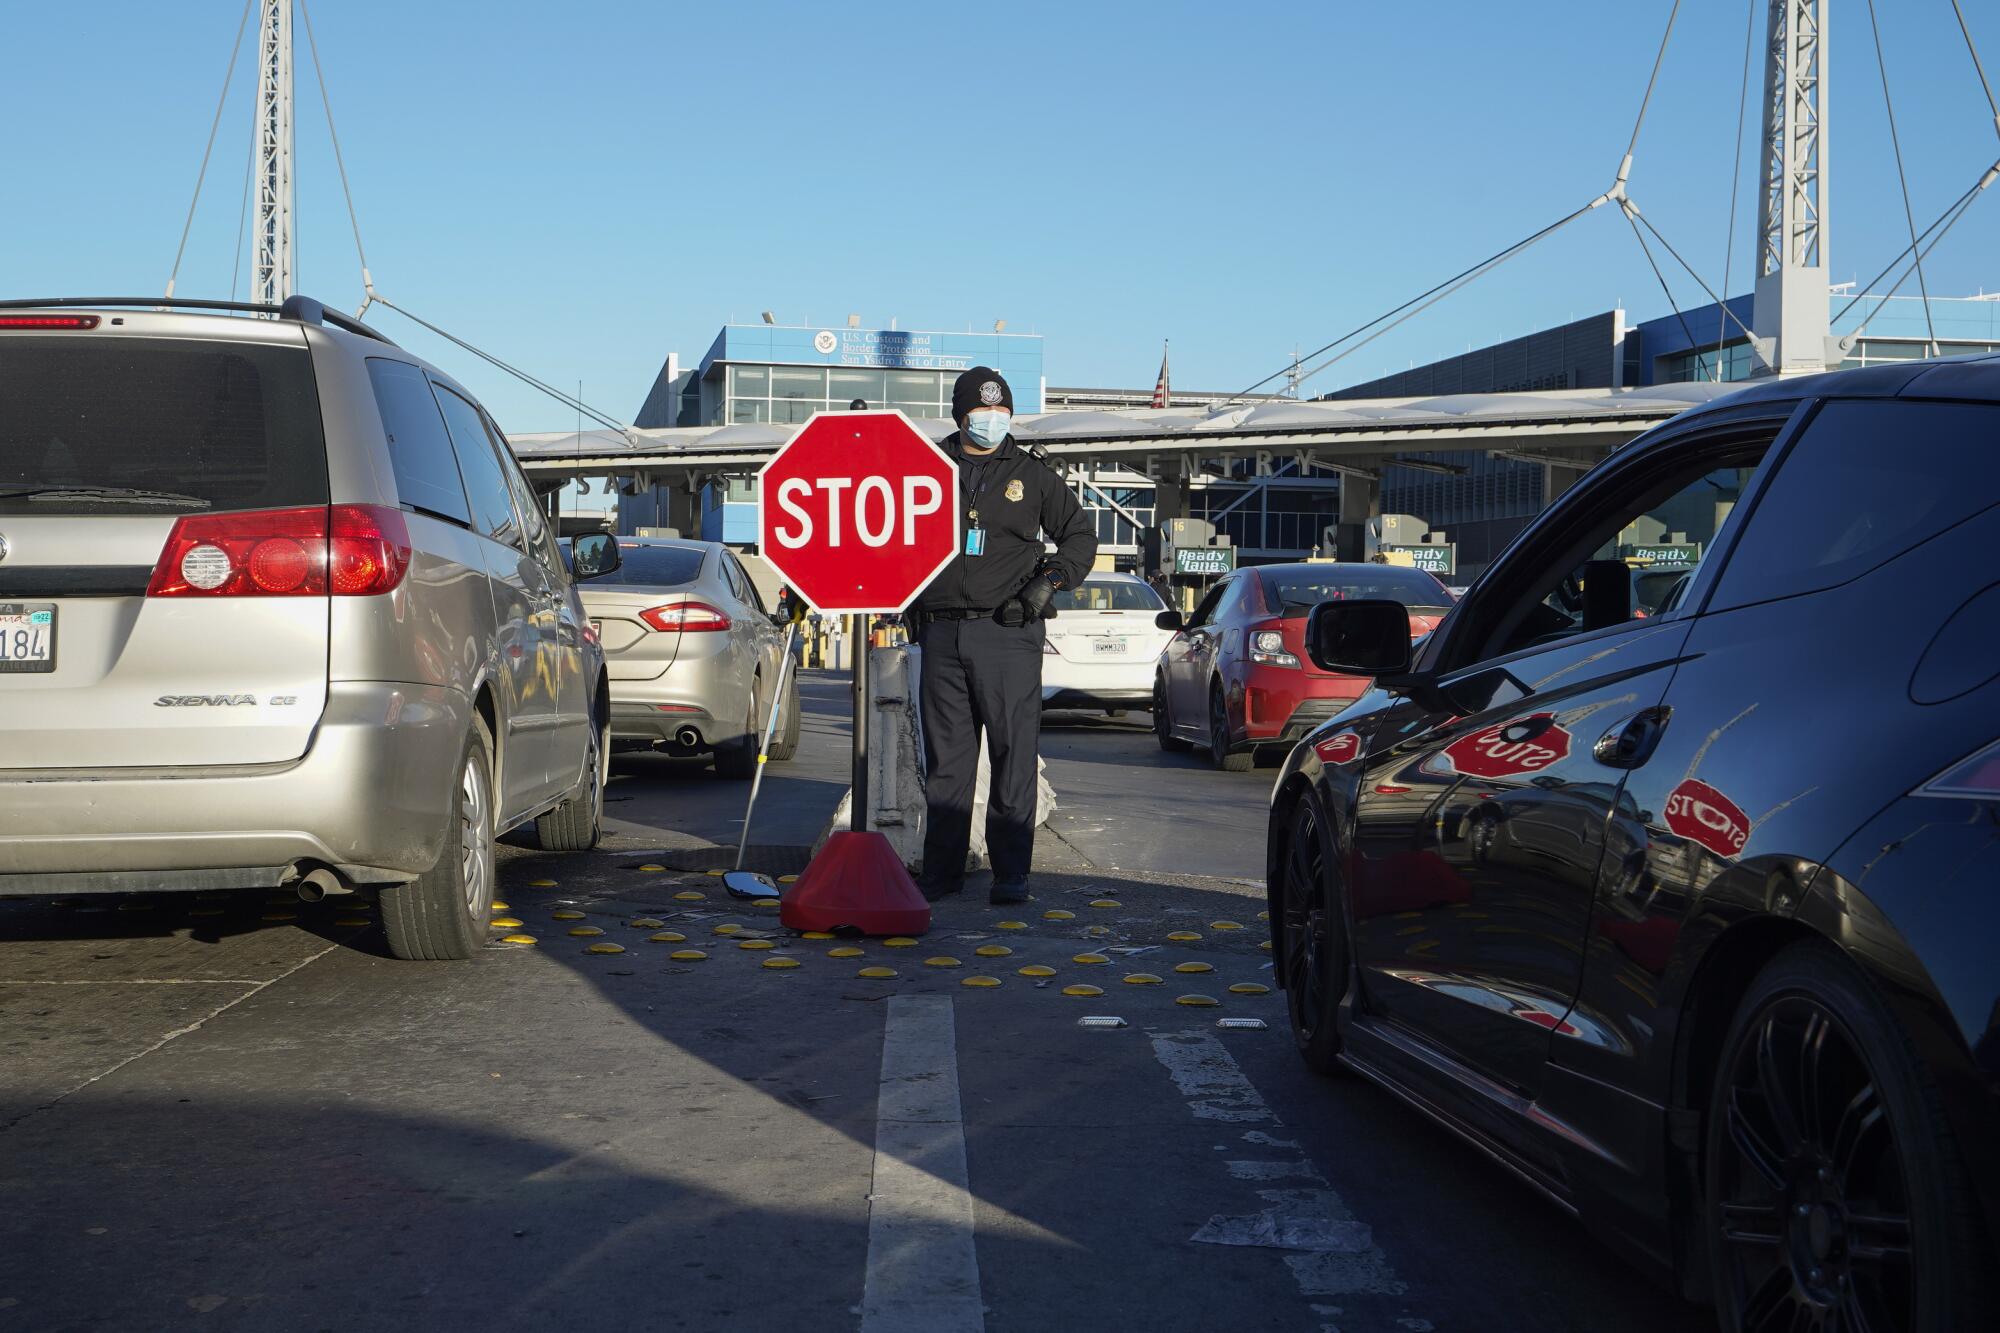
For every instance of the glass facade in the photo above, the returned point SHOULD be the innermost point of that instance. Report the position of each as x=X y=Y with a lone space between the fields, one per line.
x=1737 y=363
x=788 y=395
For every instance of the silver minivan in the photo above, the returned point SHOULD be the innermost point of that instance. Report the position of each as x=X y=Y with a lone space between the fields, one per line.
x=278 y=609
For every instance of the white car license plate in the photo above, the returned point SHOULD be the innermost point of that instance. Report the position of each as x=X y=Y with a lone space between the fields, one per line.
x=1108 y=648
x=27 y=636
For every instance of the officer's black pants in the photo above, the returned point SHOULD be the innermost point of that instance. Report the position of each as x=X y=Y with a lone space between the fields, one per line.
x=979 y=675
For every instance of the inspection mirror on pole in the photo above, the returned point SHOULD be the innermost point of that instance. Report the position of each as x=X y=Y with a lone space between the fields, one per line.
x=858 y=512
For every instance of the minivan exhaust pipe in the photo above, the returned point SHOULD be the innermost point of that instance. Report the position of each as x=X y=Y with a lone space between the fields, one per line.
x=320 y=883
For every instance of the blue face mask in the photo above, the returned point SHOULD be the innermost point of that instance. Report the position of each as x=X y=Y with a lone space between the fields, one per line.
x=988 y=428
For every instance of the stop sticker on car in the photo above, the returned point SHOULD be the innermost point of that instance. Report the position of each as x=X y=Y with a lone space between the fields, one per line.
x=1700 y=813
x=1344 y=748
x=1509 y=749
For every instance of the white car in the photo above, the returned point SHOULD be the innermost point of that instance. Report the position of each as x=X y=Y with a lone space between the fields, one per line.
x=1103 y=645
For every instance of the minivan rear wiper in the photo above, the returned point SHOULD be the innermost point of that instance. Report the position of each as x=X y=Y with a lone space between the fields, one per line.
x=101 y=495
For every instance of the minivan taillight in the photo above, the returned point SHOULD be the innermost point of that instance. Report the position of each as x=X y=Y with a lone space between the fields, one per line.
x=688 y=617
x=1976 y=778
x=350 y=550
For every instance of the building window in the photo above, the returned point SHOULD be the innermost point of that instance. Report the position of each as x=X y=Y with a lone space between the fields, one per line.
x=787 y=395
x=1736 y=363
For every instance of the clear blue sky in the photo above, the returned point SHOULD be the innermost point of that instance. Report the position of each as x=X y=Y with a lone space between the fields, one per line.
x=582 y=187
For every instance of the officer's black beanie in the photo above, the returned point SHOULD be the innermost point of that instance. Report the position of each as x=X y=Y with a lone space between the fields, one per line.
x=966 y=395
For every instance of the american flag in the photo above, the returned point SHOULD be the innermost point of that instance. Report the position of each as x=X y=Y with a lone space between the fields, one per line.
x=1163 y=396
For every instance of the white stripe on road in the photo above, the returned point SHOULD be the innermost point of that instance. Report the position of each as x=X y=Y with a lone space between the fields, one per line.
x=923 y=1271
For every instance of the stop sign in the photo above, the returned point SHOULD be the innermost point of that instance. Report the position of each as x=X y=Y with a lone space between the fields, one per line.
x=858 y=511
x=1509 y=749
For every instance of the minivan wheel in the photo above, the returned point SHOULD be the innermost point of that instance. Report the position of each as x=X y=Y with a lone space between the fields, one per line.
x=1835 y=1195
x=1163 y=723
x=1219 y=752
x=738 y=760
x=1315 y=952
x=443 y=912
x=577 y=824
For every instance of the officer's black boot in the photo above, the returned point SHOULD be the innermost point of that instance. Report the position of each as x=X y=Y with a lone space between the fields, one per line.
x=1006 y=893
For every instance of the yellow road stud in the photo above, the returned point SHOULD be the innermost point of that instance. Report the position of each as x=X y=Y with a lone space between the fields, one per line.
x=644 y=923
x=1058 y=914
x=1090 y=958
x=687 y=955
x=819 y=935
x=1194 y=967
x=844 y=951
x=541 y=884
x=1037 y=970
x=517 y=939
x=753 y=944
x=502 y=922
x=1249 y=988
x=942 y=960
x=727 y=928
x=668 y=937
x=565 y=915
x=605 y=948
x=498 y=907
x=1183 y=936
x=690 y=896
x=1197 y=1001
x=980 y=983
x=779 y=964
x=1265 y=945
x=1225 y=925
x=585 y=931
x=899 y=942
x=788 y=879
x=993 y=951
x=1142 y=979
x=1011 y=925
x=876 y=973
x=1105 y=902
x=1083 y=991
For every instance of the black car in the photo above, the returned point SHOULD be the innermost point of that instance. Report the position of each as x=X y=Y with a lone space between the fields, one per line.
x=1691 y=919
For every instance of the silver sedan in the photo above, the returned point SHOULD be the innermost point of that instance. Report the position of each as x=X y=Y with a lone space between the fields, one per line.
x=693 y=654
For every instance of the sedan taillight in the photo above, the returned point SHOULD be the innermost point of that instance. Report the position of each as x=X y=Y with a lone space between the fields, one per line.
x=687 y=617
x=348 y=550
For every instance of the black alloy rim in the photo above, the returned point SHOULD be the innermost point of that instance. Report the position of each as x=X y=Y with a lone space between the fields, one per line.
x=1218 y=726
x=1811 y=1194
x=1305 y=917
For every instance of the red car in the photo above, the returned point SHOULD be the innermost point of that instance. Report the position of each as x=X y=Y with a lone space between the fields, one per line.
x=1236 y=677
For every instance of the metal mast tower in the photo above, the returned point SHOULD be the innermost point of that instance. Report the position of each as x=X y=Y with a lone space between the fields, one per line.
x=1790 y=310
x=272 y=279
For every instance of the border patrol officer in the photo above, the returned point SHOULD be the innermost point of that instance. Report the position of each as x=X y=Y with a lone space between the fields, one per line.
x=982 y=637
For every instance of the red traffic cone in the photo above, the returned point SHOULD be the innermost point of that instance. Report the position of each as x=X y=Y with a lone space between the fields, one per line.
x=857 y=882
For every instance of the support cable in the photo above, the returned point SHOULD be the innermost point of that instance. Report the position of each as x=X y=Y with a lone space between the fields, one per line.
x=1632 y=211
x=1909 y=215
x=243 y=207
x=522 y=375
x=1735 y=174
x=1659 y=58
x=1947 y=219
x=340 y=163
x=201 y=175
x=1978 y=68
x=1631 y=220
x=1421 y=301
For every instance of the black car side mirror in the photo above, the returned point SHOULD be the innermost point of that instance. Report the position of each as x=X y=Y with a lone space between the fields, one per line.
x=1360 y=638
x=1169 y=620
x=594 y=556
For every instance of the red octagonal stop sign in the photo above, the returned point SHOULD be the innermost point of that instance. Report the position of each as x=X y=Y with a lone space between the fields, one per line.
x=858 y=511
x=1508 y=749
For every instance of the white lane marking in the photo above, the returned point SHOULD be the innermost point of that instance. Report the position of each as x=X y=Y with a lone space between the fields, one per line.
x=1330 y=1252
x=923 y=1269
x=146 y=981
x=255 y=989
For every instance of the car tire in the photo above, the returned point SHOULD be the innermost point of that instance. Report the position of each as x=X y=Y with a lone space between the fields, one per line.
x=786 y=743
x=1163 y=723
x=1219 y=752
x=1822 y=1116
x=738 y=760
x=578 y=823
x=1313 y=963
x=443 y=912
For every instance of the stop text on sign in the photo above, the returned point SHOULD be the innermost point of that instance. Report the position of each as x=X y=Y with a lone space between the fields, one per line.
x=828 y=510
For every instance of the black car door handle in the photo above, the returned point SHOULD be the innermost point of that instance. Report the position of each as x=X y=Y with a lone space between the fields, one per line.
x=1632 y=742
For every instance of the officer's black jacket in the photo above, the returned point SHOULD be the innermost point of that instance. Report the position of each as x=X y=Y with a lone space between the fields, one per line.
x=1019 y=498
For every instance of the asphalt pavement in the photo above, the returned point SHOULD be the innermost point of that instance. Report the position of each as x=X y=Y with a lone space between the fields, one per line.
x=243 y=1115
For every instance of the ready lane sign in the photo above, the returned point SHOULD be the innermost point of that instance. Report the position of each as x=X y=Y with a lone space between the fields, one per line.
x=858 y=511
x=1204 y=561
x=1432 y=557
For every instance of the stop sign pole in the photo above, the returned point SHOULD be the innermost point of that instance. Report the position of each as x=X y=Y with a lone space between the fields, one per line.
x=859 y=511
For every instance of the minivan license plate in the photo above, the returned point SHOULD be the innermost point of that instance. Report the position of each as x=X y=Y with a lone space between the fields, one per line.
x=27 y=636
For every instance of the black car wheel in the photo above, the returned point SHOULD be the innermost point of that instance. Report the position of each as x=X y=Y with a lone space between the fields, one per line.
x=1836 y=1198
x=1219 y=751
x=1315 y=941
x=1163 y=723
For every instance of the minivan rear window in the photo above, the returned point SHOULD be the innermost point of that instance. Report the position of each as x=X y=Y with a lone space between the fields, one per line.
x=232 y=425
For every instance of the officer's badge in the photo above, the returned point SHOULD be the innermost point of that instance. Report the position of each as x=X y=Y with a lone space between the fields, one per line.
x=989 y=393
x=1014 y=491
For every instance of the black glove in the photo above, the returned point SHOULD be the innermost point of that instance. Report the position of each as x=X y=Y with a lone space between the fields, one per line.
x=1034 y=602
